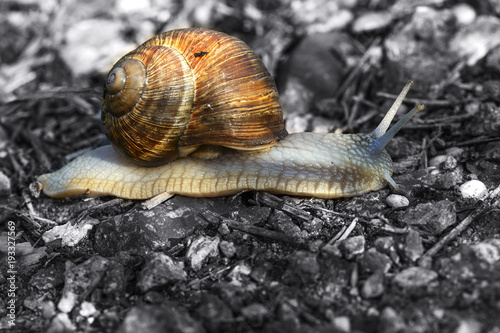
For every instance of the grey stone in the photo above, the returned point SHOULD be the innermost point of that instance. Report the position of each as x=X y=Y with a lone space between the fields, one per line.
x=352 y=246
x=160 y=270
x=430 y=218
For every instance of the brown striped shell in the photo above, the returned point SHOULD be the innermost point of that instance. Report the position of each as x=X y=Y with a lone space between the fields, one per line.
x=186 y=88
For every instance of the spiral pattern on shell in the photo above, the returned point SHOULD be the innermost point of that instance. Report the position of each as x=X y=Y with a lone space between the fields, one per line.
x=186 y=88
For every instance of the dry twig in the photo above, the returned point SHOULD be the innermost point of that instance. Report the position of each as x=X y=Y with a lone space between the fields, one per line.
x=214 y=218
x=273 y=201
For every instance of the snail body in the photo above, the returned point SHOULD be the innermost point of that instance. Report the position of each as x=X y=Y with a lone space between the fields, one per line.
x=301 y=164
x=306 y=164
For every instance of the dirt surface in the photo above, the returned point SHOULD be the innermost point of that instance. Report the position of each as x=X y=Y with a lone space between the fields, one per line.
x=425 y=258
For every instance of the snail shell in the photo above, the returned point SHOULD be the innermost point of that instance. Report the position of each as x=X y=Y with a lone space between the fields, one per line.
x=187 y=88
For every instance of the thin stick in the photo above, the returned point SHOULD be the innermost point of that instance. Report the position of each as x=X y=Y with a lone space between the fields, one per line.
x=409 y=100
x=214 y=218
x=476 y=141
x=29 y=217
x=335 y=238
x=275 y=202
x=348 y=230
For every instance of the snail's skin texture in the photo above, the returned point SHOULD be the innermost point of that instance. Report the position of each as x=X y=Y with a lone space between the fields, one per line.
x=305 y=164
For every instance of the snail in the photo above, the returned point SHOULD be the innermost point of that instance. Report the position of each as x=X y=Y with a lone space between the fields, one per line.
x=229 y=137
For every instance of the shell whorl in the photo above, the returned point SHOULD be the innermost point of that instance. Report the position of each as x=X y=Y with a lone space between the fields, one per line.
x=187 y=88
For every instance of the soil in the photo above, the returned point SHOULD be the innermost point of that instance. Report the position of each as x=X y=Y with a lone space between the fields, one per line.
x=422 y=258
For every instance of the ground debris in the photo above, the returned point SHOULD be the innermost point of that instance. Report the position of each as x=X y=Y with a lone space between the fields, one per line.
x=422 y=258
x=80 y=281
x=160 y=270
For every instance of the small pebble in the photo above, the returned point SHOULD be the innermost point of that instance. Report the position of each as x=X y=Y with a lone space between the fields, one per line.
x=80 y=281
x=454 y=151
x=352 y=246
x=224 y=229
x=373 y=261
x=297 y=123
x=201 y=249
x=287 y=313
x=449 y=179
x=473 y=41
x=89 y=49
x=342 y=324
x=473 y=189
x=156 y=318
x=391 y=321
x=32 y=302
x=216 y=314
x=152 y=297
x=469 y=325
x=386 y=245
x=4 y=140
x=238 y=272
x=372 y=21
x=373 y=286
x=5 y=187
x=70 y=233
x=492 y=61
x=255 y=314
x=488 y=251
x=397 y=201
x=160 y=270
x=450 y=163
x=47 y=278
x=409 y=246
x=470 y=262
x=421 y=55
x=464 y=13
x=259 y=274
x=48 y=309
x=227 y=248
x=414 y=278
x=61 y=323
x=303 y=267
x=87 y=309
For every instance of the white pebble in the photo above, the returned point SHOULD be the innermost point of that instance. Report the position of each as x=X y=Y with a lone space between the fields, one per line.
x=397 y=201
x=87 y=309
x=342 y=324
x=473 y=189
x=464 y=14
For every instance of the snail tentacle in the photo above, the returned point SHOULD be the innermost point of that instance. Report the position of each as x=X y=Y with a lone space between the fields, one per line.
x=386 y=122
x=378 y=145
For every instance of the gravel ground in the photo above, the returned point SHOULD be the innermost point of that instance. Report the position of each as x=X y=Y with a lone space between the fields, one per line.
x=424 y=258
